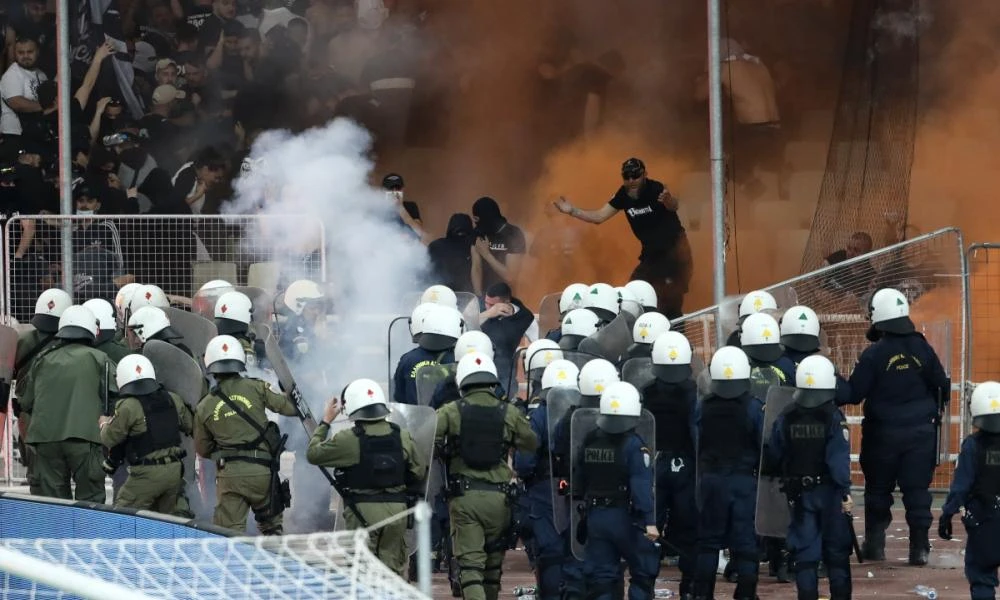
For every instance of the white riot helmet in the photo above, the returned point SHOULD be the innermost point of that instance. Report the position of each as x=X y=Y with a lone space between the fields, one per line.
x=602 y=299
x=576 y=325
x=476 y=369
x=540 y=354
x=77 y=323
x=561 y=374
x=215 y=284
x=105 y=314
x=135 y=376
x=442 y=326
x=628 y=302
x=364 y=400
x=233 y=311
x=891 y=312
x=649 y=326
x=759 y=338
x=816 y=380
x=417 y=319
x=300 y=293
x=224 y=354
x=644 y=292
x=800 y=329
x=985 y=406
x=596 y=376
x=149 y=322
x=672 y=357
x=440 y=294
x=49 y=308
x=730 y=372
x=756 y=301
x=124 y=297
x=621 y=407
x=147 y=295
x=574 y=296
x=474 y=341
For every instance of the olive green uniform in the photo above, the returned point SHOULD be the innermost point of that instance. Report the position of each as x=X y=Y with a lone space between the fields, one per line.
x=65 y=395
x=218 y=429
x=480 y=517
x=27 y=343
x=149 y=486
x=343 y=450
x=115 y=350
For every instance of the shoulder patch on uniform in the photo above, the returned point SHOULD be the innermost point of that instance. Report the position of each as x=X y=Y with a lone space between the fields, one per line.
x=847 y=434
x=646 y=460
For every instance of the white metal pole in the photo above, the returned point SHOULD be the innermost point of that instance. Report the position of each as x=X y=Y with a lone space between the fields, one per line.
x=422 y=517
x=63 y=82
x=717 y=160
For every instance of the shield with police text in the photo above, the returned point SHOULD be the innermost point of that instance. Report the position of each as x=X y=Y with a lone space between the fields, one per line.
x=421 y=423
x=429 y=379
x=773 y=513
x=598 y=476
x=195 y=330
x=611 y=342
x=559 y=405
x=638 y=372
x=179 y=373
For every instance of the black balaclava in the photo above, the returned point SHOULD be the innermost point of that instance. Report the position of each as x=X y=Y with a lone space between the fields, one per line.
x=487 y=211
x=460 y=229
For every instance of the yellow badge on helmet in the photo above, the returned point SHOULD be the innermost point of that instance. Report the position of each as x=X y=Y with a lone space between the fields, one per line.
x=757 y=303
x=767 y=333
x=434 y=296
x=599 y=388
x=728 y=373
x=615 y=405
x=673 y=354
x=994 y=404
x=809 y=380
x=562 y=374
x=548 y=356
x=643 y=333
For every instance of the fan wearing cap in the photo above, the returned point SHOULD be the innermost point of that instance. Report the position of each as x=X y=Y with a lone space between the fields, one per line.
x=148 y=421
x=478 y=432
x=408 y=213
x=67 y=391
x=499 y=249
x=158 y=122
x=730 y=428
x=810 y=447
x=665 y=259
x=440 y=330
x=901 y=382
x=974 y=488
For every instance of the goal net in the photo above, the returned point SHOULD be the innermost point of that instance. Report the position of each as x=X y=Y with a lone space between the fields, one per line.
x=327 y=565
x=930 y=270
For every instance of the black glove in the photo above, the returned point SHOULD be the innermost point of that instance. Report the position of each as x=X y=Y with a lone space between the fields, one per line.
x=944 y=527
x=109 y=467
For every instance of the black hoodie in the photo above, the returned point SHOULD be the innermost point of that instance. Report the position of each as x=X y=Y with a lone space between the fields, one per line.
x=451 y=256
x=504 y=238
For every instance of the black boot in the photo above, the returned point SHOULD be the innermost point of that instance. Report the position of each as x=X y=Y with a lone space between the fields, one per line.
x=874 y=546
x=729 y=573
x=920 y=547
x=746 y=588
x=808 y=595
x=782 y=567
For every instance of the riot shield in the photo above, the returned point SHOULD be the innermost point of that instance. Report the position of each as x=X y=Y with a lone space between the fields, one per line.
x=421 y=423
x=762 y=379
x=195 y=330
x=203 y=302
x=638 y=372
x=579 y=357
x=288 y=384
x=582 y=425
x=429 y=377
x=180 y=374
x=773 y=514
x=611 y=342
x=548 y=313
x=263 y=304
x=559 y=402
x=399 y=341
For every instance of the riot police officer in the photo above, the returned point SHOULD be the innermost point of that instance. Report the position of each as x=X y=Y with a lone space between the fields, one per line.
x=975 y=491
x=477 y=432
x=536 y=357
x=440 y=330
x=800 y=337
x=573 y=296
x=149 y=421
x=751 y=304
x=616 y=485
x=647 y=328
x=810 y=445
x=147 y=295
x=380 y=468
x=901 y=381
x=729 y=434
x=603 y=301
x=578 y=324
x=644 y=293
x=233 y=314
x=232 y=429
x=108 y=330
x=307 y=324
x=672 y=399
x=470 y=341
x=533 y=468
x=151 y=323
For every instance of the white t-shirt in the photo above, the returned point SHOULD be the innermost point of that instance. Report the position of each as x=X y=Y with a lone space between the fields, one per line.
x=17 y=82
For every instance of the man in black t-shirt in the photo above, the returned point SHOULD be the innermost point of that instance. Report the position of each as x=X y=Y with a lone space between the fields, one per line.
x=499 y=248
x=665 y=260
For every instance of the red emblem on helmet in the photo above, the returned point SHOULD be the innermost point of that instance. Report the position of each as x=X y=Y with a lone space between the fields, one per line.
x=149 y=295
x=51 y=304
x=138 y=369
x=223 y=309
x=225 y=347
x=371 y=393
x=479 y=361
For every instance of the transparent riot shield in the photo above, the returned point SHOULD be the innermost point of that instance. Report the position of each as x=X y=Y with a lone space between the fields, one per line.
x=773 y=514
x=429 y=378
x=560 y=404
x=611 y=342
x=421 y=423
x=762 y=379
x=195 y=330
x=203 y=302
x=399 y=341
x=638 y=372
x=180 y=374
x=583 y=425
x=548 y=313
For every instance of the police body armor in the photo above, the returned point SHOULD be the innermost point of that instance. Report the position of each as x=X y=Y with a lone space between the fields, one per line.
x=607 y=475
x=382 y=465
x=671 y=407
x=805 y=432
x=481 y=443
x=162 y=429
x=725 y=436
x=986 y=488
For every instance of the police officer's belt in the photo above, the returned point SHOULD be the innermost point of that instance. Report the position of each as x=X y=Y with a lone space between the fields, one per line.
x=166 y=460
x=260 y=457
x=398 y=497
x=807 y=482
x=481 y=486
x=605 y=502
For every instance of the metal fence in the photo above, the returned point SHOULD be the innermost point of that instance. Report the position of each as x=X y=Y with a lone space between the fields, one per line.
x=983 y=353
x=930 y=269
